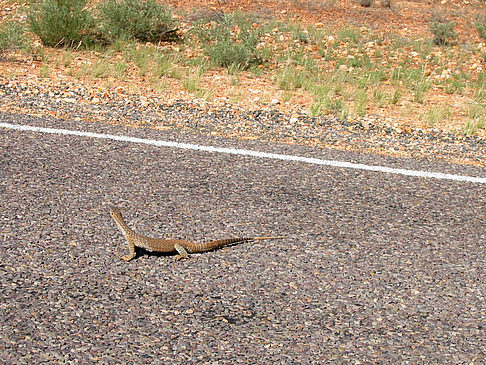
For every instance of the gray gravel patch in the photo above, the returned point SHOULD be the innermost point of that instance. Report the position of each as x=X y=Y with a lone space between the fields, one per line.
x=376 y=268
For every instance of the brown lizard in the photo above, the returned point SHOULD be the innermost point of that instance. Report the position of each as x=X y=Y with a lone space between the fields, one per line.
x=183 y=248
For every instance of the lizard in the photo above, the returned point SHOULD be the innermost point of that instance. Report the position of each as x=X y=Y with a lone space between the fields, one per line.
x=181 y=247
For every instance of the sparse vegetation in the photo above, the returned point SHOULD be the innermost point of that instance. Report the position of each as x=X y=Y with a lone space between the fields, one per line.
x=119 y=70
x=290 y=79
x=361 y=102
x=472 y=126
x=165 y=66
x=443 y=31
x=349 y=35
x=44 y=71
x=437 y=115
x=342 y=71
x=480 y=26
x=192 y=80
x=420 y=89
x=141 y=56
x=12 y=37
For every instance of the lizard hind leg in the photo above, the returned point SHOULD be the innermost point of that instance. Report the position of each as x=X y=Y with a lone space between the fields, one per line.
x=182 y=252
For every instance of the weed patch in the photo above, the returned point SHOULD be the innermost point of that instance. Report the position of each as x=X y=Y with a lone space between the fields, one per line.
x=361 y=102
x=12 y=37
x=480 y=26
x=60 y=23
x=420 y=90
x=349 y=35
x=437 y=114
x=232 y=42
x=193 y=79
x=443 y=31
x=290 y=79
x=472 y=126
x=144 y=20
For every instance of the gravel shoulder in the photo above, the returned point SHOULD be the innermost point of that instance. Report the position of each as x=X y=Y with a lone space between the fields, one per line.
x=376 y=267
x=363 y=135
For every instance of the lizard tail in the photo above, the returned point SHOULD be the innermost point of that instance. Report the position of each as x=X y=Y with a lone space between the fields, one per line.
x=208 y=246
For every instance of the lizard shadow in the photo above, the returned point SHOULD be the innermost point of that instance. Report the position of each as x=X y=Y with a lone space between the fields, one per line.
x=139 y=252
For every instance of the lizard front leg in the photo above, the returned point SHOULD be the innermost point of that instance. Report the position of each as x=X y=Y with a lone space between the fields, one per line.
x=131 y=251
x=182 y=252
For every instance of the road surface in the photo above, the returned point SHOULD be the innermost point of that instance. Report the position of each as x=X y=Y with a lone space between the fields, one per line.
x=376 y=267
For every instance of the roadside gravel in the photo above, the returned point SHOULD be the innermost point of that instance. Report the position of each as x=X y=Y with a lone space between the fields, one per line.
x=377 y=268
x=368 y=134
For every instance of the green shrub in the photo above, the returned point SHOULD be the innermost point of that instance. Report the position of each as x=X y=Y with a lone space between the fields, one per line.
x=443 y=31
x=61 y=23
x=226 y=53
x=12 y=37
x=480 y=26
x=144 y=20
x=233 y=42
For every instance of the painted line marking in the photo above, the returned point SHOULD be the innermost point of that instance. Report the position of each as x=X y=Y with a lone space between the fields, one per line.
x=243 y=152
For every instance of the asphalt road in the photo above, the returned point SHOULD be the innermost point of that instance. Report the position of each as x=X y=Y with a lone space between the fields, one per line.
x=377 y=268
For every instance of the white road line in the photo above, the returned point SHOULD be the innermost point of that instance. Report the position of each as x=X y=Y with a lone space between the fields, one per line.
x=242 y=152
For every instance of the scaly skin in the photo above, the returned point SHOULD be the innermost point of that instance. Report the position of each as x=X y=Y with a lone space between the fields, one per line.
x=183 y=248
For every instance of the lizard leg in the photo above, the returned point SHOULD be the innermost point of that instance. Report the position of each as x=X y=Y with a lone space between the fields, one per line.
x=131 y=253
x=182 y=252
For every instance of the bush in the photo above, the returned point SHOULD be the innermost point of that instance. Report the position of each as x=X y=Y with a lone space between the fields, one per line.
x=443 y=31
x=232 y=43
x=480 y=26
x=61 y=23
x=144 y=20
x=12 y=37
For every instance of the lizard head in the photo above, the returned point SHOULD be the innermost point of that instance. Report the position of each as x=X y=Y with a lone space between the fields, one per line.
x=117 y=217
x=115 y=212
